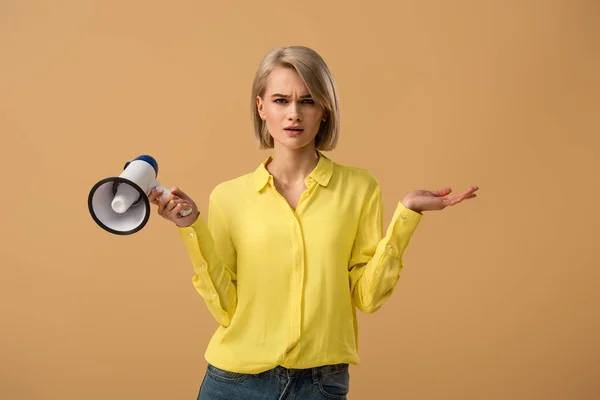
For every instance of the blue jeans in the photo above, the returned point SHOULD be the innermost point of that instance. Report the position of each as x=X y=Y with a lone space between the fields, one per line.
x=327 y=382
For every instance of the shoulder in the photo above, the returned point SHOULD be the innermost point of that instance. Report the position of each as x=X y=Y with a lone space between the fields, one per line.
x=232 y=188
x=356 y=177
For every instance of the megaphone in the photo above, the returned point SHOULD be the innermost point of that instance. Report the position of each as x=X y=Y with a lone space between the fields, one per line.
x=120 y=204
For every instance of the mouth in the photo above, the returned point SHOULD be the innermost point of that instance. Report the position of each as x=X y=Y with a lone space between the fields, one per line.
x=293 y=130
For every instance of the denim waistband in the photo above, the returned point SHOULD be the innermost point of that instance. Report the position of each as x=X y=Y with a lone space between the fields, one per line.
x=324 y=370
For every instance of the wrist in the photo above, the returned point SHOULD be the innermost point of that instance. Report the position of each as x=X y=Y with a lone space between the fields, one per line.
x=187 y=221
x=406 y=203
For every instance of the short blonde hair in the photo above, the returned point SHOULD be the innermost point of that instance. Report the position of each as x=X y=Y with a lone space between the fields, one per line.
x=320 y=84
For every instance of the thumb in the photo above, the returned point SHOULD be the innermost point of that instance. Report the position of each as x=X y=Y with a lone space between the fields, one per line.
x=180 y=193
x=442 y=192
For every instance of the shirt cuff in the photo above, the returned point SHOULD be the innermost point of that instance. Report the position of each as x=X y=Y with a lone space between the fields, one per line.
x=193 y=236
x=400 y=231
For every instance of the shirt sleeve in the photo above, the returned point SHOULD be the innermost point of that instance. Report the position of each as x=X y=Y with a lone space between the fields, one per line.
x=376 y=260
x=213 y=257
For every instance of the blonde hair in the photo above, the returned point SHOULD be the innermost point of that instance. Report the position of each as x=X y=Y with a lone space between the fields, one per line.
x=319 y=82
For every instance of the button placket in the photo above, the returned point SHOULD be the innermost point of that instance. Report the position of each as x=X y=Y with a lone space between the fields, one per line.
x=299 y=266
x=298 y=279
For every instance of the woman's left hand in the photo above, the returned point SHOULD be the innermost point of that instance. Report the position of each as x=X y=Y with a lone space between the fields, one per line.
x=425 y=200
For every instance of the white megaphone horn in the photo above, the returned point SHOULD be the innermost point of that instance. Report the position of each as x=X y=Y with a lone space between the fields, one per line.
x=120 y=204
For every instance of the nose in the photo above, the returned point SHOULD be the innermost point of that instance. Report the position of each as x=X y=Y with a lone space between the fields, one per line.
x=294 y=112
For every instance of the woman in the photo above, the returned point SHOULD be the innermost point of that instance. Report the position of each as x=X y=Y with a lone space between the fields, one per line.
x=290 y=250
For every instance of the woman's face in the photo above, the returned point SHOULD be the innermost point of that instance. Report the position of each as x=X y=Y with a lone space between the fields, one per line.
x=292 y=117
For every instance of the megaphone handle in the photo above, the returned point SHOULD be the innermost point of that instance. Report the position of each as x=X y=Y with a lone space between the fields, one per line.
x=166 y=192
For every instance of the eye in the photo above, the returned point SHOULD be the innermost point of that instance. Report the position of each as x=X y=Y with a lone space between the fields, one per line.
x=280 y=101
x=308 y=101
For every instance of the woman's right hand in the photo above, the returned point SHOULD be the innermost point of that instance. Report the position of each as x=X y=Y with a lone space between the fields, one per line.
x=170 y=206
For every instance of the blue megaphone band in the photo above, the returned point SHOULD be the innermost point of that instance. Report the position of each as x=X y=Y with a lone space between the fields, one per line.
x=149 y=159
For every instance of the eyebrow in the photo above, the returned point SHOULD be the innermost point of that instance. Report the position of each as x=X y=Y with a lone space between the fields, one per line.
x=306 y=96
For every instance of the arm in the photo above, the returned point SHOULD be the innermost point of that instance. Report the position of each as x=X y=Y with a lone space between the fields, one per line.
x=376 y=260
x=213 y=257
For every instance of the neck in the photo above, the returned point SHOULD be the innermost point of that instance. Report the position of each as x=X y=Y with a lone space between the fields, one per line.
x=291 y=166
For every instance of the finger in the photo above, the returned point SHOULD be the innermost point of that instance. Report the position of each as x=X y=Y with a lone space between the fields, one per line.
x=163 y=201
x=171 y=205
x=457 y=199
x=442 y=192
x=446 y=191
x=159 y=201
x=467 y=192
x=178 y=209
x=154 y=195
x=178 y=201
x=472 y=189
x=166 y=201
x=161 y=197
x=174 y=213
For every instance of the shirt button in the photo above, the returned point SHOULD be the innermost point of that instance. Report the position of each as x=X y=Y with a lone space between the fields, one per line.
x=377 y=272
x=389 y=246
x=191 y=234
x=403 y=216
x=214 y=295
x=203 y=265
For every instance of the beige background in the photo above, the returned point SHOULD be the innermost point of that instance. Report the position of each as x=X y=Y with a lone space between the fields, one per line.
x=500 y=295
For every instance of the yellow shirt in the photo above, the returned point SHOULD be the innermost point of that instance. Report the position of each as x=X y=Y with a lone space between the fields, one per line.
x=284 y=285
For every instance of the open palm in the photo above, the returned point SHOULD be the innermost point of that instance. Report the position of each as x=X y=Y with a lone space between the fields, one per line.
x=425 y=200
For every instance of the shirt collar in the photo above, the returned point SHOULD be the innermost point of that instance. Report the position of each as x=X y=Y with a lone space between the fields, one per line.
x=321 y=174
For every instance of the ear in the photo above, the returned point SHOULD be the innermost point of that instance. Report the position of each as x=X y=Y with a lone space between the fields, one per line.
x=260 y=106
x=324 y=116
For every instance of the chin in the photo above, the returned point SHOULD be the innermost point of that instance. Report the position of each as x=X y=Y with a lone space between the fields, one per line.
x=295 y=142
